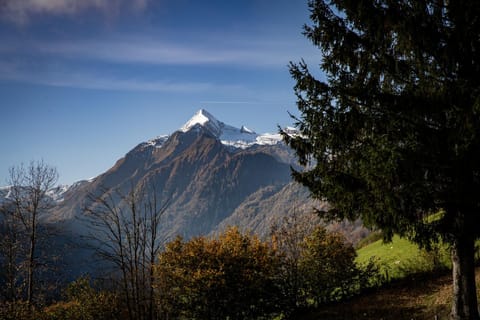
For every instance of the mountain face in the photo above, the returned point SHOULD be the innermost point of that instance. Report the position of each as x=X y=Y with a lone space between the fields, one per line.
x=211 y=174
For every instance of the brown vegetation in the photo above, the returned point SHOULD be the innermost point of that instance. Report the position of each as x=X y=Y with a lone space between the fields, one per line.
x=416 y=297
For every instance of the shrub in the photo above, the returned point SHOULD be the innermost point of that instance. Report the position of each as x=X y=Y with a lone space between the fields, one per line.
x=230 y=277
x=84 y=303
x=329 y=268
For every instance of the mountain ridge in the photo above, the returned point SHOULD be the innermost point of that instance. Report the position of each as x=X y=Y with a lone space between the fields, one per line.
x=208 y=181
x=205 y=178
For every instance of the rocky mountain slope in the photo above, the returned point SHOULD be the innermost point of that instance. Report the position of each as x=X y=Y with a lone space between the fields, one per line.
x=212 y=175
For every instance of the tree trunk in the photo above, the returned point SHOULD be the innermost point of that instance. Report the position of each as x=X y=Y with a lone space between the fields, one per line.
x=31 y=259
x=464 y=306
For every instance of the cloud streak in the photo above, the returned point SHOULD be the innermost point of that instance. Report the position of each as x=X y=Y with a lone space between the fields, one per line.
x=21 y=11
x=16 y=71
x=131 y=49
x=73 y=63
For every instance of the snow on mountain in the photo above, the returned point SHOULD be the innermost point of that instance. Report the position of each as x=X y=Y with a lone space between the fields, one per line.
x=4 y=193
x=57 y=193
x=158 y=141
x=204 y=119
x=246 y=130
x=54 y=194
x=144 y=149
x=235 y=137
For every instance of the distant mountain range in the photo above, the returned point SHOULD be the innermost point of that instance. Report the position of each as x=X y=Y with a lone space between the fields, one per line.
x=212 y=175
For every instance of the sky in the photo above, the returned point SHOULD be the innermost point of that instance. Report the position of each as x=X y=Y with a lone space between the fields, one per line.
x=82 y=82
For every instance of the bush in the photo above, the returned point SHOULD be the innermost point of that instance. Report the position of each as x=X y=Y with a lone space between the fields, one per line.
x=232 y=277
x=84 y=303
x=18 y=310
x=318 y=266
x=329 y=268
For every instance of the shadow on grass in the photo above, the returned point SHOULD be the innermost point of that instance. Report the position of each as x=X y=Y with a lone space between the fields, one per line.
x=419 y=297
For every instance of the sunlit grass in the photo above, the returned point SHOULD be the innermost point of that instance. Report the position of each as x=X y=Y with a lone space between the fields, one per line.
x=401 y=257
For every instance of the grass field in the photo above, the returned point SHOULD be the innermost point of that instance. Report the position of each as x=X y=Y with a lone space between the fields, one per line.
x=400 y=258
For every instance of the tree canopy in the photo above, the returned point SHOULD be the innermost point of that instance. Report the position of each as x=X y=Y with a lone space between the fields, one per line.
x=391 y=133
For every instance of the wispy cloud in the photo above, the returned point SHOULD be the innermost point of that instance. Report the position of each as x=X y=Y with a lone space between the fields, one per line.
x=87 y=81
x=16 y=71
x=228 y=102
x=81 y=63
x=138 y=49
x=21 y=11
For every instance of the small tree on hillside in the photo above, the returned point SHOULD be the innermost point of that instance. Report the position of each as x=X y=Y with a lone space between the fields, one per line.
x=329 y=268
x=392 y=132
x=317 y=266
x=288 y=236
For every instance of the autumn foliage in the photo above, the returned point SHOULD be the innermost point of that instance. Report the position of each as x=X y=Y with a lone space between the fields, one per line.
x=238 y=276
x=229 y=277
x=232 y=276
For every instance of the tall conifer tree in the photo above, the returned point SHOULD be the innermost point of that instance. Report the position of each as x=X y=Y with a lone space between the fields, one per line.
x=391 y=134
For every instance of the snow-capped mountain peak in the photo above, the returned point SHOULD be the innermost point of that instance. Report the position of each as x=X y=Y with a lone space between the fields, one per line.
x=229 y=135
x=244 y=129
x=204 y=119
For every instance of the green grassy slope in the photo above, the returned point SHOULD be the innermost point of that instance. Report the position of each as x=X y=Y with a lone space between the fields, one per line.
x=401 y=257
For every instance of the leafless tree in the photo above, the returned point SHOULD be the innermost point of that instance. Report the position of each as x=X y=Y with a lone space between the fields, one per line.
x=124 y=228
x=28 y=201
x=288 y=236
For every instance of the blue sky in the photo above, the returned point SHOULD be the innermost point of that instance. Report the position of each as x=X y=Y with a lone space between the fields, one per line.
x=83 y=81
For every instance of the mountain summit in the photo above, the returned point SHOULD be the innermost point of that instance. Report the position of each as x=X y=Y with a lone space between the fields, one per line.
x=229 y=135
x=203 y=118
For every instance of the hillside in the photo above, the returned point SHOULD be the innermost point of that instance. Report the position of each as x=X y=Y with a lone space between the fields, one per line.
x=416 y=297
x=400 y=257
x=419 y=285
